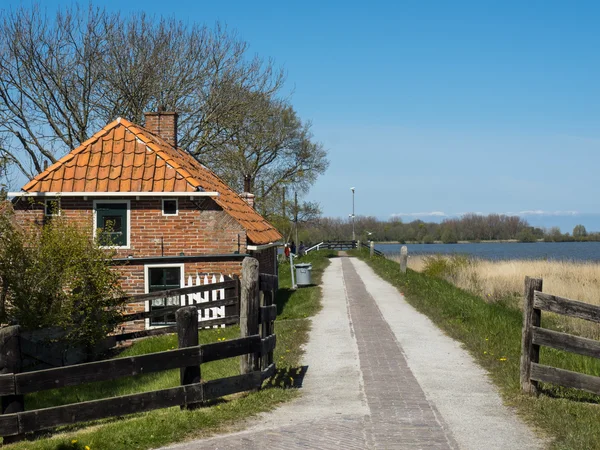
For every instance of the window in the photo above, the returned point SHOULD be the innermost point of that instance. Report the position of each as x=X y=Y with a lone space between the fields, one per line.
x=160 y=279
x=169 y=207
x=112 y=223
x=52 y=207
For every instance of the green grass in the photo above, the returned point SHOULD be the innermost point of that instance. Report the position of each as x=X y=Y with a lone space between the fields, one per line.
x=491 y=332
x=304 y=301
x=165 y=426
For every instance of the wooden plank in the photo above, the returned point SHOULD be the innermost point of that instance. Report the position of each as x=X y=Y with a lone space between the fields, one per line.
x=226 y=386
x=42 y=419
x=128 y=404
x=11 y=361
x=269 y=343
x=106 y=370
x=7 y=384
x=229 y=349
x=144 y=333
x=231 y=284
x=9 y=425
x=268 y=313
x=172 y=309
x=567 y=307
x=267 y=282
x=530 y=352
x=566 y=342
x=173 y=329
x=565 y=378
x=269 y=371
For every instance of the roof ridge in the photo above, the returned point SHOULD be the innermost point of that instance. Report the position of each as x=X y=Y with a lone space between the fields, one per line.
x=69 y=156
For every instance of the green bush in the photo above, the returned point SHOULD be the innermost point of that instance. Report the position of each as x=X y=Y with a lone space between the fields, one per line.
x=56 y=275
x=445 y=266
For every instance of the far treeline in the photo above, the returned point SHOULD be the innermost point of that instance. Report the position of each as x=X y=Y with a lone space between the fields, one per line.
x=470 y=227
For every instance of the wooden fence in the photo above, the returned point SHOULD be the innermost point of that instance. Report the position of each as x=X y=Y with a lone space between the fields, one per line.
x=218 y=304
x=257 y=314
x=535 y=336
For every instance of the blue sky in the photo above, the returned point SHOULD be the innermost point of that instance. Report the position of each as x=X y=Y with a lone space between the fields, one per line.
x=444 y=107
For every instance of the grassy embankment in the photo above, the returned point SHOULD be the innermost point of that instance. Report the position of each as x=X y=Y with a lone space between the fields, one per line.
x=503 y=280
x=161 y=427
x=491 y=332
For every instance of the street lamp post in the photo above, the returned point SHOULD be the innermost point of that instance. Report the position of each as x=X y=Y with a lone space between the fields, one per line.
x=353 y=234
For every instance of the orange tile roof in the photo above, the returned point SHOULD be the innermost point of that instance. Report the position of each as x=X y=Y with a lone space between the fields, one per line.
x=124 y=157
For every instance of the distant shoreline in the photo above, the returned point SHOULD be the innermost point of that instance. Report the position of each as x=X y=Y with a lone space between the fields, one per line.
x=504 y=241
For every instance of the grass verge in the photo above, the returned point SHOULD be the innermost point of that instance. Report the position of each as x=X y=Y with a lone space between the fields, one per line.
x=162 y=427
x=492 y=334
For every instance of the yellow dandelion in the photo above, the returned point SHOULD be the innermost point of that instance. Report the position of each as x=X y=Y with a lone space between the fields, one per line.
x=87 y=447
x=74 y=441
x=502 y=359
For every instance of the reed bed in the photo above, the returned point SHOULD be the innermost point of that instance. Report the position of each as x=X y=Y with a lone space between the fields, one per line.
x=503 y=280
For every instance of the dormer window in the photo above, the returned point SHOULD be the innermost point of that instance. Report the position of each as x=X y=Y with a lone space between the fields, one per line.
x=169 y=207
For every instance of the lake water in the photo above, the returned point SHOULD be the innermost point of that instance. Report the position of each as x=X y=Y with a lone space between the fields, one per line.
x=574 y=251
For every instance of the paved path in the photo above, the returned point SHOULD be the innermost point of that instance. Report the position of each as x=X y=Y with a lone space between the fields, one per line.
x=381 y=375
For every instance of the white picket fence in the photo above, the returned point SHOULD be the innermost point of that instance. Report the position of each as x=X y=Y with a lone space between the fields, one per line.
x=204 y=297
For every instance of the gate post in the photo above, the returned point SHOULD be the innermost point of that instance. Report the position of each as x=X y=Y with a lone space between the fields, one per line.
x=249 y=311
x=187 y=336
x=529 y=351
x=11 y=362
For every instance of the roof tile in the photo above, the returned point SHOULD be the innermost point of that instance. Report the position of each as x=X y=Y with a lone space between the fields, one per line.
x=124 y=157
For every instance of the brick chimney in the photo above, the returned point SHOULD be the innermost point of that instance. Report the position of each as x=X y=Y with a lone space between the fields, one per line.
x=162 y=124
x=247 y=195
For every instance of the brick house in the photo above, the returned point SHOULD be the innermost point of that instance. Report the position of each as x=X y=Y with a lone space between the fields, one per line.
x=170 y=217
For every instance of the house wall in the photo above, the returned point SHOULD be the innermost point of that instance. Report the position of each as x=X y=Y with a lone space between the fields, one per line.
x=201 y=226
x=133 y=282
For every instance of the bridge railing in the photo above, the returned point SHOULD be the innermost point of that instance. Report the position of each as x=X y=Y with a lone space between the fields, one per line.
x=334 y=245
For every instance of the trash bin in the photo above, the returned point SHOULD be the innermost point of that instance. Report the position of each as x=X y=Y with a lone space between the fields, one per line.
x=303 y=274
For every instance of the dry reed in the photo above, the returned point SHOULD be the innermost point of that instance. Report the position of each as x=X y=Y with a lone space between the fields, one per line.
x=495 y=280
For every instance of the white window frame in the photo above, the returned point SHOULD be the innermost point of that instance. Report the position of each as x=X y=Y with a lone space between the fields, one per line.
x=51 y=200
x=176 y=207
x=147 y=288
x=95 y=220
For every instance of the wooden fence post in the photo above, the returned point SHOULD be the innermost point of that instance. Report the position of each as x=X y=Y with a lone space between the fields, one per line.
x=249 y=311
x=531 y=318
x=358 y=244
x=11 y=362
x=372 y=249
x=267 y=328
x=403 y=258
x=187 y=336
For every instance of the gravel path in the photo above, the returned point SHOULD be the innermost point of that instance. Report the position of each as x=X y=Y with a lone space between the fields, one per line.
x=381 y=375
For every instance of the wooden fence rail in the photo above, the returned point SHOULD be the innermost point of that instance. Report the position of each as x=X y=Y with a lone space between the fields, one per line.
x=256 y=346
x=535 y=336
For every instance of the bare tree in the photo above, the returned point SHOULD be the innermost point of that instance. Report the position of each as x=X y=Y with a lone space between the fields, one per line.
x=63 y=78
x=268 y=143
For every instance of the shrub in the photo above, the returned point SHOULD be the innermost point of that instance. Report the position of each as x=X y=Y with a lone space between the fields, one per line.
x=445 y=266
x=56 y=275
